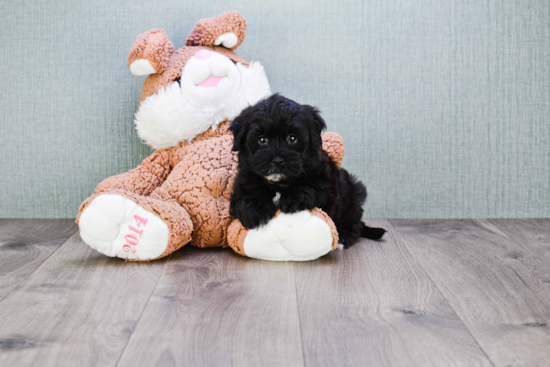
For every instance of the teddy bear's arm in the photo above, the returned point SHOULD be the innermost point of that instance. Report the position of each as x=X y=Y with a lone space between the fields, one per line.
x=227 y=30
x=143 y=179
x=333 y=145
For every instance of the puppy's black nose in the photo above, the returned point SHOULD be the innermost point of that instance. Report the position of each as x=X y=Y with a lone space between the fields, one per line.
x=278 y=161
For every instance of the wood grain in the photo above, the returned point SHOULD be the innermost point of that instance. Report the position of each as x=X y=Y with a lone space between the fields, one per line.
x=496 y=285
x=534 y=236
x=213 y=307
x=78 y=309
x=25 y=244
x=373 y=305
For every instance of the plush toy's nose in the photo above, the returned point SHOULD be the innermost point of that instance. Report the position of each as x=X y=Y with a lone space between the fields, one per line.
x=203 y=54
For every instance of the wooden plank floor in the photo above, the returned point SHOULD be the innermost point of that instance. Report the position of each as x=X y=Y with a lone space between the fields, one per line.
x=433 y=293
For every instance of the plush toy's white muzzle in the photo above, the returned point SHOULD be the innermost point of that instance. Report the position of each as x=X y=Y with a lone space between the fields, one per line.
x=183 y=110
x=197 y=84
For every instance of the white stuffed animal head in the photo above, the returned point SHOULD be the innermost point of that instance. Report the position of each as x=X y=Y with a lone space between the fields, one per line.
x=196 y=87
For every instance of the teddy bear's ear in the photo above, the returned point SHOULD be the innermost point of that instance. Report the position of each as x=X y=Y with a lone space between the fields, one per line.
x=150 y=53
x=227 y=30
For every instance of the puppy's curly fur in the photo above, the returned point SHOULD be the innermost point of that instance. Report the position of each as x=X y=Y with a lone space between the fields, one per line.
x=279 y=144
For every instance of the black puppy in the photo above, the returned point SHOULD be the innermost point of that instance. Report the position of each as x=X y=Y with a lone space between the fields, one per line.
x=279 y=143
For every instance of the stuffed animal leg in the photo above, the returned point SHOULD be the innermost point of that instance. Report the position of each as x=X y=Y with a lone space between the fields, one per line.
x=302 y=236
x=124 y=218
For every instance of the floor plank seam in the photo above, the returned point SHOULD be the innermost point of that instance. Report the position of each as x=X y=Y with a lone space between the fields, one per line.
x=142 y=311
x=298 y=314
x=39 y=266
x=396 y=232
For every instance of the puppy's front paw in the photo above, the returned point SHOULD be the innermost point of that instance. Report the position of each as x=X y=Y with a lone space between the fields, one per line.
x=253 y=220
x=296 y=201
x=255 y=215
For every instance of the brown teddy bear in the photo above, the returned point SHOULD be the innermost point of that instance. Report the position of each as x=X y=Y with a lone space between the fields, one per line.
x=180 y=194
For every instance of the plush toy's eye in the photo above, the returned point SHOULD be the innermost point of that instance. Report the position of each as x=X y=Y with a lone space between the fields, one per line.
x=262 y=140
x=291 y=139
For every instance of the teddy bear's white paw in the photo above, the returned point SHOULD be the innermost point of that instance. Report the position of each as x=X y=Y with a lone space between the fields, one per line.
x=118 y=227
x=289 y=237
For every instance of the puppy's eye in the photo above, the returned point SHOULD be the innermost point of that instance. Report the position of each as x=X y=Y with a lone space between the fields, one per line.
x=262 y=140
x=291 y=139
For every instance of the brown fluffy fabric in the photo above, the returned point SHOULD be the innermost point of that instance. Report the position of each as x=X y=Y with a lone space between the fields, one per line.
x=143 y=179
x=236 y=234
x=154 y=46
x=333 y=145
x=207 y=31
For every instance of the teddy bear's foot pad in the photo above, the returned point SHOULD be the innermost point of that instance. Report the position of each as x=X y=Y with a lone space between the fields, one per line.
x=118 y=227
x=289 y=237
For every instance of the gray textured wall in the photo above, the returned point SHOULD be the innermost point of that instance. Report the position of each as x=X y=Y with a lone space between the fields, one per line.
x=444 y=104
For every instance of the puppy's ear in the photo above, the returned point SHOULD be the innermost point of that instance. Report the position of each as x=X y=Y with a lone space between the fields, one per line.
x=316 y=127
x=239 y=130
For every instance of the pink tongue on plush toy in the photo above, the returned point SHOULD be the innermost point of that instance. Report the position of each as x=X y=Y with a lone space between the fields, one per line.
x=212 y=81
